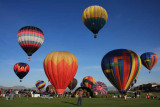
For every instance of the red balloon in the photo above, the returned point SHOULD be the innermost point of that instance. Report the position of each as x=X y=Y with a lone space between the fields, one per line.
x=60 y=68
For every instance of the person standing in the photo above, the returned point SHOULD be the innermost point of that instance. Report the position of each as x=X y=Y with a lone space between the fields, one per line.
x=12 y=94
x=7 y=94
x=80 y=95
x=125 y=96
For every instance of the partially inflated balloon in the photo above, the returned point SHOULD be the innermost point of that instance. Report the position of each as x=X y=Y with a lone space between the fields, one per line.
x=88 y=81
x=149 y=59
x=121 y=67
x=60 y=68
x=100 y=87
x=21 y=69
x=94 y=18
x=72 y=84
x=30 y=39
x=40 y=84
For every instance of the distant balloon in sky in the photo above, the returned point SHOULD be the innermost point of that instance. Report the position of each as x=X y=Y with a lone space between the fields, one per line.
x=60 y=68
x=40 y=84
x=72 y=84
x=100 y=87
x=121 y=67
x=30 y=39
x=94 y=18
x=88 y=81
x=149 y=59
x=21 y=70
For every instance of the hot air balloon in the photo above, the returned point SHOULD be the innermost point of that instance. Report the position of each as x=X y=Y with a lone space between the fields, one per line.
x=100 y=87
x=88 y=81
x=149 y=59
x=94 y=18
x=21 y=70
x=40 y=84
x=60 y=68
x=30 y=39
x=72 y=84
x=121 y=67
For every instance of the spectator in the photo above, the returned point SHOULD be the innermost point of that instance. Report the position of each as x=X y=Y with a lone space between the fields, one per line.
x=80 y=95
x=12 y=94
x=7 y=94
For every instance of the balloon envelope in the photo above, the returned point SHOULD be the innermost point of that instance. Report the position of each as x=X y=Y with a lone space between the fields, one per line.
x=149 y=59
x=21 y=69
x=88 y=81
x=72 y=84
x=40 y=84
x=30 y=38
x=100 y=87
x=94 y=18
x=60 y=68
x=121 y=67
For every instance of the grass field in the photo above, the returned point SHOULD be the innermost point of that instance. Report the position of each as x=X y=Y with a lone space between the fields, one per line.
x=71 y=102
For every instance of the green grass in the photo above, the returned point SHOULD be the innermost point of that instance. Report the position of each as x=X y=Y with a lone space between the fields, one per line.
x=71 y=102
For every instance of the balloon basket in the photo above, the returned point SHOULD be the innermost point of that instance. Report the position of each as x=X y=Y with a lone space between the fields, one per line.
x=29 y=59
x=95 y=36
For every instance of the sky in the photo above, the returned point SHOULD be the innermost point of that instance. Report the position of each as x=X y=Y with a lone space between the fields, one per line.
x=131 y=24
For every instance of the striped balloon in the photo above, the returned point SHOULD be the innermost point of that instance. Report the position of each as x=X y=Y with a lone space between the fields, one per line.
x=30 y=39
x=121 y=67
x=94 y=18
x=149 y=59
x=88 y=81
x=100 y=87
x=40 y=84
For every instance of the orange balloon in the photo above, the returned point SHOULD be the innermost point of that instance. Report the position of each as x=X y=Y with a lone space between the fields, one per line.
x=60 y=68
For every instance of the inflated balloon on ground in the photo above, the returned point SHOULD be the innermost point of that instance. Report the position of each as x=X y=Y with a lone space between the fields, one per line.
x=121 y=67
x=60 y=68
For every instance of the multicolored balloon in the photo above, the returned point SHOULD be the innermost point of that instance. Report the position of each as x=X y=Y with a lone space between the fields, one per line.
x=40 y=84
x=100 y=87
x=60 y=68
x=72 y=84
x=149 y=59
x=88 y=81
x=94 y=18
x=30 y=39
x=121 y=67
x=21 y=70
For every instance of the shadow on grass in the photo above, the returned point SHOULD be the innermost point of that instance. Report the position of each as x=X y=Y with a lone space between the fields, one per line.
x=69 y=103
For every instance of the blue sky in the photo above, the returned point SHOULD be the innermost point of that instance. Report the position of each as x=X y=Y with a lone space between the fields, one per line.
x=132 y=24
